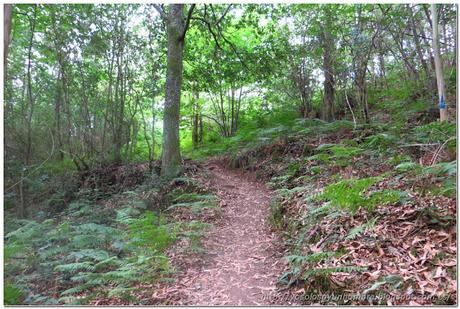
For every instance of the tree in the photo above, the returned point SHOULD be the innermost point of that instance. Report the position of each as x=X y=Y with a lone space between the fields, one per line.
x=6 y=35
x=30 y=95
x=438 y=65
x=176 y=28
x=328 y=68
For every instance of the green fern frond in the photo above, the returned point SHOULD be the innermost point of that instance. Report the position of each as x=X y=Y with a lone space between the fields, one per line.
x=309 y=259
x=191 y=197
x=91 y=254
x=195 y=207
x=75 y=267
x=354 y=232
x=77 y=289
x=349 y=193
x=111 y=261
x=329 y=270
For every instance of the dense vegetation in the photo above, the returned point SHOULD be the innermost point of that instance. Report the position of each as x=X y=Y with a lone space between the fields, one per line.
x=346 y=111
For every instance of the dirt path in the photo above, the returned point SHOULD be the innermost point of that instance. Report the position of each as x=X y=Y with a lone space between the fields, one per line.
x=241 y=263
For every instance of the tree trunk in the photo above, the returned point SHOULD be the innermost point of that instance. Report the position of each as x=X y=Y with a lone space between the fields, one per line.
x=171 y=159
x=57 y=117
x=438 y=66
x=417 y=42
x=119 y=105
x=381 y=56
x=195 y=119
x=29 y=89
x=361 y=61
x=362 y=93
x=6 y=36
x=200 y=134
x=328 y=45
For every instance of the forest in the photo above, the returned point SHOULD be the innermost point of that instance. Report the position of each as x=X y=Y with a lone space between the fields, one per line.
x=229 y=154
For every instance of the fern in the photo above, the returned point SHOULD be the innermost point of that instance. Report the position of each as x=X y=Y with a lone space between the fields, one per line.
x=145 y=232
x=191 y=197
x=12 y=294
x=329 y=270
x=279 y=181
x=290 y=192
x=349 y=194
x=96 y=229
x=75 y=267
x=354 y=232
x=111 y=261
x=77 y=289
x=91 y=254
x=127 y=215
x=339 y=154
x=24 y=234
x=123 y=248
x=310 y=259
x=392 y=280
x=381 y=141
x=407 y=166
x=443 y=168
x=322 y=210
x=436 y=131
x=195 y=207
x=12 y=249
x=122 y=292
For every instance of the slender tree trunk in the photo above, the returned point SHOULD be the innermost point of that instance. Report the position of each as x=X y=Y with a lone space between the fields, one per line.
x=7 y=8
x=118 y=112
x=417 y=44
x=22 y=207
x=455 y=31
x=153 y=128
x=57 y=117
x=171 y=158
x=110 y=63
x=29 y=89
x=362 y=93
x=438 y=64
x=444 y=29
x=383 y=79
x=328 y=45
x=195 y=119
x=238 y=107
x=232 y=105
x=200 y=134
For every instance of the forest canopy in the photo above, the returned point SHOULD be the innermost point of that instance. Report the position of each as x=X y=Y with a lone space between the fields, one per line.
x=86 y=83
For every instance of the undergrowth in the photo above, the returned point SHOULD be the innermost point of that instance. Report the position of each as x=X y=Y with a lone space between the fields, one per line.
x=99 y=248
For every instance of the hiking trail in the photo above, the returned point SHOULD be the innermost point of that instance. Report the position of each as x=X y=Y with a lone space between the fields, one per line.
x=242 y=259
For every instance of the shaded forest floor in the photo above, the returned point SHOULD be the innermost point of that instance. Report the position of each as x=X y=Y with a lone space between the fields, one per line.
x=295 y=214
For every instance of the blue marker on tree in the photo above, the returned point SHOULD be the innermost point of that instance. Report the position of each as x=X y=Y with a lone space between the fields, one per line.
x=442 y=103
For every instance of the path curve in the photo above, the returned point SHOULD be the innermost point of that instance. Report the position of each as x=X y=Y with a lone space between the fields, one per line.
x=243 y=257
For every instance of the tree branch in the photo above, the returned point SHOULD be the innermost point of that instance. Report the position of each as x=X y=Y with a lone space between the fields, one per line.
x=223 y=15
x=160 y=10
x=187 y=22
x=210 y=30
